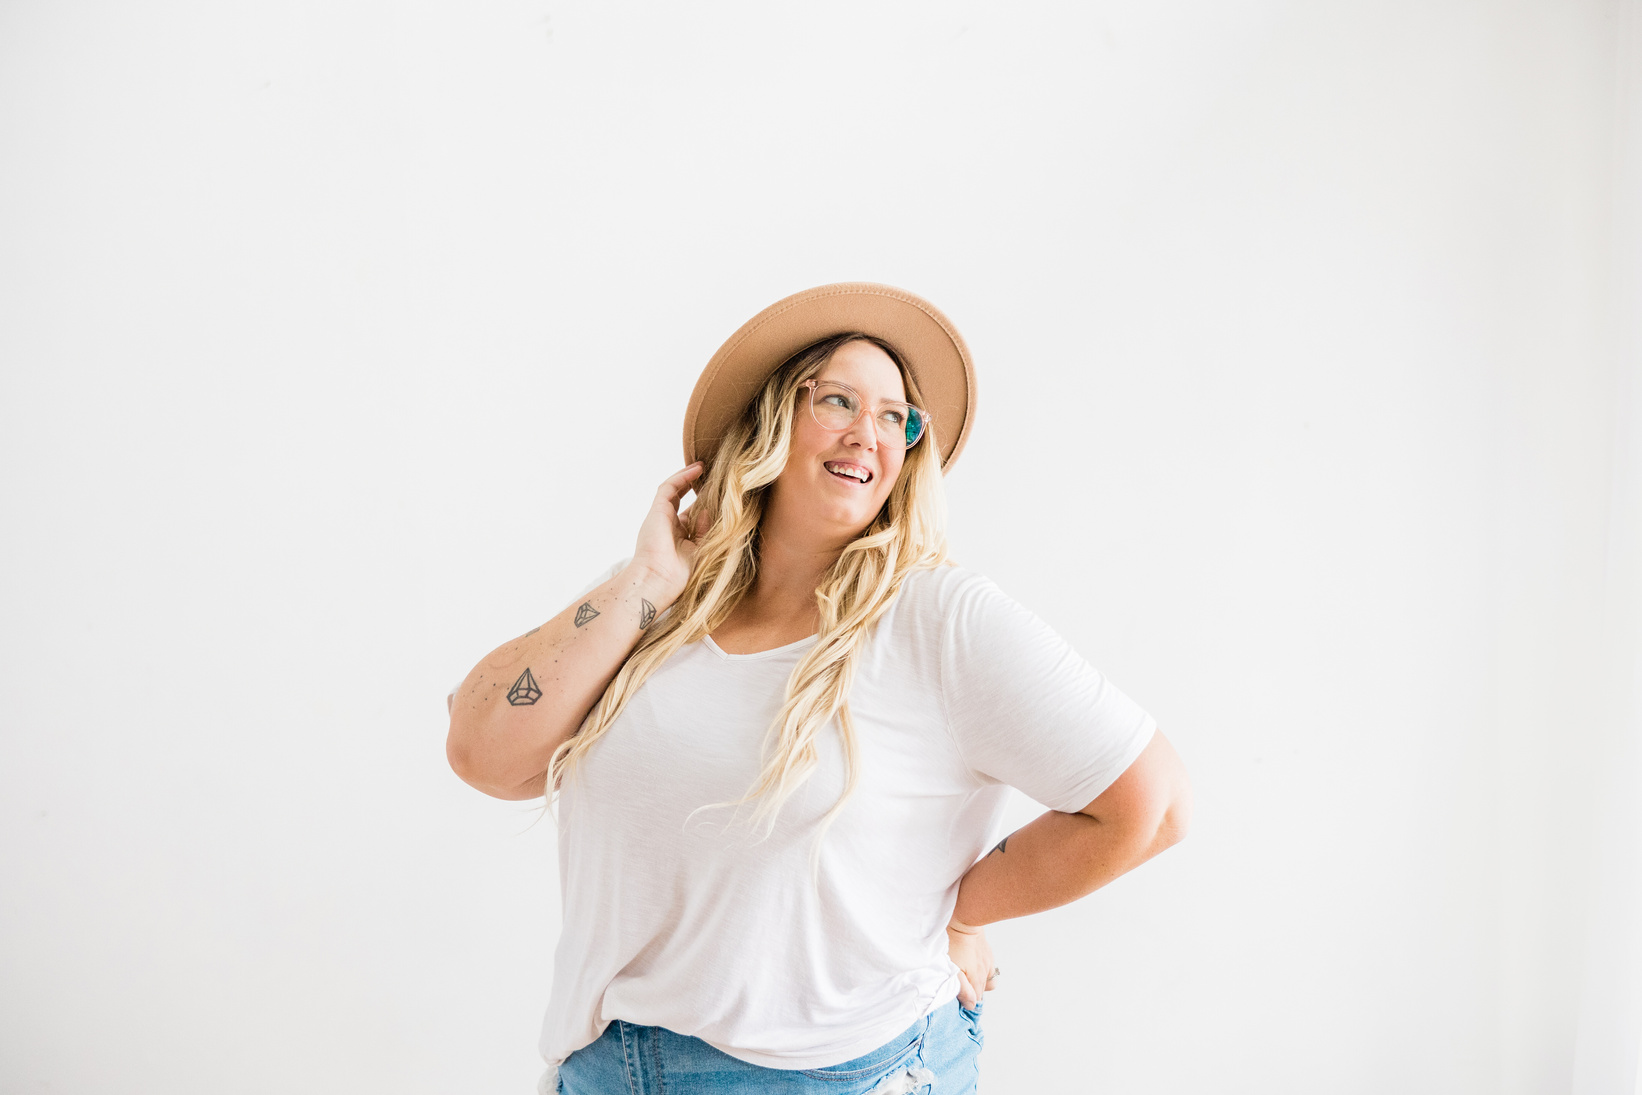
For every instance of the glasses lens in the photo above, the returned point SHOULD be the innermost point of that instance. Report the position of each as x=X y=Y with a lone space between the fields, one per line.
x=900 y=425
x=914 y=425
x=837 y=408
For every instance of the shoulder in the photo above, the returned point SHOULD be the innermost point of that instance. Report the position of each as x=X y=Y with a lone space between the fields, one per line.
x=932 y=597
x=934 y=585
x=945 y=584
x=967 y=615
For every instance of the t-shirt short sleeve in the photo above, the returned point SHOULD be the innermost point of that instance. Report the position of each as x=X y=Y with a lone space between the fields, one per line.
x=1025 y=709
x=609 y=572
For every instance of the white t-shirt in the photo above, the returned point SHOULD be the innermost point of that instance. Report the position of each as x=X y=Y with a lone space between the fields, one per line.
x=960 y=693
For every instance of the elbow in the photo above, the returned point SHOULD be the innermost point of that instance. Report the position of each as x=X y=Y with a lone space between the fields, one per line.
x=468 y=764
x=1161 y=816
x=1176 y=818
x=1176 y=823
x=459 y=754
x=466 y=761
x=1167 y=797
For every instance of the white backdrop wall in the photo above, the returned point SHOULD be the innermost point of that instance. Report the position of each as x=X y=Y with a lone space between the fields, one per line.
x=341 y=342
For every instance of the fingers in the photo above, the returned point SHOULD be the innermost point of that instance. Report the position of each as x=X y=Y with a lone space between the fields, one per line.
x=982 y=974
x=673 y=487
x=694 y=522
x=966 y=991
x=671 y=490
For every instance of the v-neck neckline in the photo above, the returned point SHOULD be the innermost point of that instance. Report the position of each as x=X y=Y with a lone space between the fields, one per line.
x=721 y=652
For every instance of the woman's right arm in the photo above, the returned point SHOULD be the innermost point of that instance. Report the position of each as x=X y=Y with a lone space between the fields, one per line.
x=529 y=695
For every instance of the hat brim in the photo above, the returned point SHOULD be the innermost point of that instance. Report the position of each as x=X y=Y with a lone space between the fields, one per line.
x=926 y=340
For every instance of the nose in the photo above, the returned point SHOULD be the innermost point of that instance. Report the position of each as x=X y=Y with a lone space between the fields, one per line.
x=863 y=433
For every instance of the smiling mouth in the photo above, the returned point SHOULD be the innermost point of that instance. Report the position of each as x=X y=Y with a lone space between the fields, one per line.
x=849 y=474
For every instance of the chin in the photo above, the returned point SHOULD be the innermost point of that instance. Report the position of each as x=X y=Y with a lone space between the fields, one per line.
x=847 y=516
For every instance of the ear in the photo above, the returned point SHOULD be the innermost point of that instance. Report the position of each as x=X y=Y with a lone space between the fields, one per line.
x=698 y=518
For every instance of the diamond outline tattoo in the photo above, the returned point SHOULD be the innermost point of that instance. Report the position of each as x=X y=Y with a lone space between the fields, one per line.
x=647 y=613
x=524 y=691
x=585 y=612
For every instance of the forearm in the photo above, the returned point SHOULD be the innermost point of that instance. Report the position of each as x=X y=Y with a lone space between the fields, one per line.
x=531 y=694
x=1053 y=861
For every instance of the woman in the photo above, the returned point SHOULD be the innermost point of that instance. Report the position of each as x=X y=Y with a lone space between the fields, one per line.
x=798 y=640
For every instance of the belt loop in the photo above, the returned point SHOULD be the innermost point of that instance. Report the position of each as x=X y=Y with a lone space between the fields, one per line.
x=631 y=1053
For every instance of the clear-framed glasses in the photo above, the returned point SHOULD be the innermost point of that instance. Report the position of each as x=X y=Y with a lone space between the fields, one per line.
x=838 y=406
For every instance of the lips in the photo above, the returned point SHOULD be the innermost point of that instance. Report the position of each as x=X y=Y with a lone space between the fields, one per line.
x=841 y=469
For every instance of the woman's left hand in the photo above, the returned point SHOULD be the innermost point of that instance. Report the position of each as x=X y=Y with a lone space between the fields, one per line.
x=973 y=956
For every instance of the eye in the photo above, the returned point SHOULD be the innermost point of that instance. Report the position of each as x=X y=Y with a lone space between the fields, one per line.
x=894 y=418
x=838 y=399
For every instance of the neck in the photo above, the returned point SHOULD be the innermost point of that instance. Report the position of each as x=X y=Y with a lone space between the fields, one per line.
x=797 y=546
x=793 y=557
x=789 y=574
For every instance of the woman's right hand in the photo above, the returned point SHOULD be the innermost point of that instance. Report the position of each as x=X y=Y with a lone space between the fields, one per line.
x=667 y=542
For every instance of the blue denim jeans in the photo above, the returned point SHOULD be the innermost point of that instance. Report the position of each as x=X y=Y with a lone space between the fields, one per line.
x=937 y=1055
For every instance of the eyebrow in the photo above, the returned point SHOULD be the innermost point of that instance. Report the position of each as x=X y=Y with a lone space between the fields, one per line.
x=859 y=392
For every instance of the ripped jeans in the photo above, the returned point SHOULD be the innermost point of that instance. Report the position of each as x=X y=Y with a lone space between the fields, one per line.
x=937 y=1055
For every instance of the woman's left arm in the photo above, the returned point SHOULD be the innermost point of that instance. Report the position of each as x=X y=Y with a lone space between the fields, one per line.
x=1061 y=857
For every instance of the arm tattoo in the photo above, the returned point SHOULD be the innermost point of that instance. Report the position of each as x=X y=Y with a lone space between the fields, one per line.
x=524 y=691
x=1001 y=844
x=647 y=613
x=585 y=612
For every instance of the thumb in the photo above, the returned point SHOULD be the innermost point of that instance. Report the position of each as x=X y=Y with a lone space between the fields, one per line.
x=966 y=990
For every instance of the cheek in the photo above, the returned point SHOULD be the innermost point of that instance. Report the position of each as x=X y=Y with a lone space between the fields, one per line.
x=806 y=435
x=892 y=475
x=803 y=452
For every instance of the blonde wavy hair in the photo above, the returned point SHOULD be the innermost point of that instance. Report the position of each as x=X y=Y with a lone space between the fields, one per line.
x=908 y=534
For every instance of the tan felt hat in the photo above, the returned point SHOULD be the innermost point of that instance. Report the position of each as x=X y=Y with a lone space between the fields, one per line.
x=930 y=346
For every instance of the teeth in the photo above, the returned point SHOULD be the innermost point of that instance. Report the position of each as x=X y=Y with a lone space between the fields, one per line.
x=849 y=470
